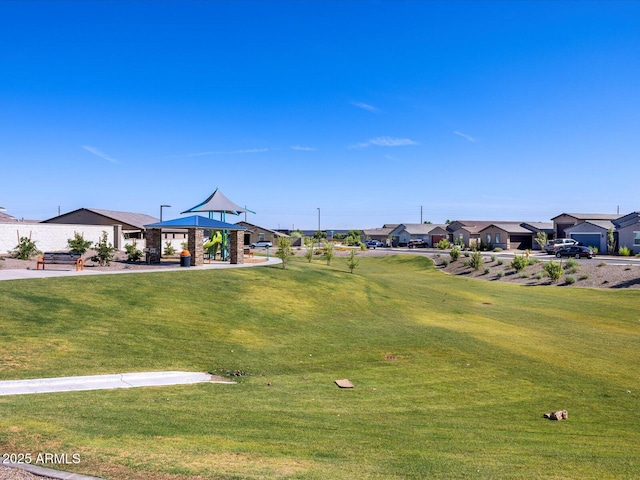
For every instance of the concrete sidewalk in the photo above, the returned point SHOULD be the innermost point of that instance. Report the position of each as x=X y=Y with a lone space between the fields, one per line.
x=19 y=274
x=100 y=382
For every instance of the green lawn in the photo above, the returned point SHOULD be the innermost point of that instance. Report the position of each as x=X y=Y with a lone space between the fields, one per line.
x=451 y=375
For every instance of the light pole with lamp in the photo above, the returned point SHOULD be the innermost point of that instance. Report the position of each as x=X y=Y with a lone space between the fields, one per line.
x=161 y=207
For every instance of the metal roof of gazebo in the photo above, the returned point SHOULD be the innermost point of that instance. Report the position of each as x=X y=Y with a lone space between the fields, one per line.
x=196 y=221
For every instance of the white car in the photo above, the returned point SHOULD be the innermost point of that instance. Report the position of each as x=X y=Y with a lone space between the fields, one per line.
x=261 y=244
x=558 y=244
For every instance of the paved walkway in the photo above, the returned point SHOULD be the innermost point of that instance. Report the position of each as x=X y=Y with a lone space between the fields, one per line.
x=18 y=274
x=101 y=382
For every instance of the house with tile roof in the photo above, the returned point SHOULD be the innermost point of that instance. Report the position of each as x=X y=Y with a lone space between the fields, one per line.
x=565 y=220
x=430 y=233
x=628 y=231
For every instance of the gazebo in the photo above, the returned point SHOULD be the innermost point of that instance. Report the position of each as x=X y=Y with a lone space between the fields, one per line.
x=195 y=225
x=217 y=202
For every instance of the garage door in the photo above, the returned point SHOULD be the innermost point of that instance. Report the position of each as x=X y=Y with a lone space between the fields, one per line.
x=520 y=242
x=587 y=239
x=435 y=239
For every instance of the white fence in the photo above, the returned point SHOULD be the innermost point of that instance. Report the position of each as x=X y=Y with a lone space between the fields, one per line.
x=53 y=236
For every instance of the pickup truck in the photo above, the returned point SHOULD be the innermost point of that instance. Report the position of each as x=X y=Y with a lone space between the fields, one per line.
x=558 y=244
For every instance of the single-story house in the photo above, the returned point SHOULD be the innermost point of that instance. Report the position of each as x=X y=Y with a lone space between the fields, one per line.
x=466 y=232
x=508 y=236
x=537 y=227
x=565 y=220
x=628 y=231
x=132 y=223
x=380 y=234
x=430 y=233
x=255 y=233
x=591 y=233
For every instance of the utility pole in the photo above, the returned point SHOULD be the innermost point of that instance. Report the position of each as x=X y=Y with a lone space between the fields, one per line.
x=420 y=213
x=318 y=219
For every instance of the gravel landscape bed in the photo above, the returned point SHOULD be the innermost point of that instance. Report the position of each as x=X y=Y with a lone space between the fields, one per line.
x=586 y=274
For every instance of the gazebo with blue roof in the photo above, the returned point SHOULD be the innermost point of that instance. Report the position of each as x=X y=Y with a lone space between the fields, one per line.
x=195 y=225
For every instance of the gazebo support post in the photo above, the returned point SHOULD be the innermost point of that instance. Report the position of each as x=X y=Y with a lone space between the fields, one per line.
x=195 y=242
x=236 y=247
x=153 y=239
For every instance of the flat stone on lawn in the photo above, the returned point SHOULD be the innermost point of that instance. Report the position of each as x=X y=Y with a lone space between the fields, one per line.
x=344 y=383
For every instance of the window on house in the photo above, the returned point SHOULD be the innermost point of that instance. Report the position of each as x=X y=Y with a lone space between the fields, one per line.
x=260 y=237
x=636 y=239
x=497 y=238
x=489 y=238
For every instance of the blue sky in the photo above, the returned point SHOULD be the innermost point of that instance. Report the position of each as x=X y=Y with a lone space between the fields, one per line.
x=368 y=110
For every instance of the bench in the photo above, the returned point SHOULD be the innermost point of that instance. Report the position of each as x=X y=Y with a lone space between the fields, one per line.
x=59 y=258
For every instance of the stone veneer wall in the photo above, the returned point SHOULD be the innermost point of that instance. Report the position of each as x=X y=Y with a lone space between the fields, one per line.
x=236 y=247
x=196 y=246
x=154 y=239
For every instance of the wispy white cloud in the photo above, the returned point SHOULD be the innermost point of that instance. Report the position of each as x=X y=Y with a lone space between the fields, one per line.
x=385 y=142
x=392 y=142
x=465 y=136
x=100 y=154
x=302 y=149
x=231 y=152
x=365 y=106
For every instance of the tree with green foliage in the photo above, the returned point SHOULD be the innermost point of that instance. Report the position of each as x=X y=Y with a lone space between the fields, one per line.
x=284 y=251
x=554 y=270
x=519 y=262
x=611 y=241
x=78 y=244
x=308 y=244
x=328 y=253
x=168 y=249
x=133 y=253
x=352 y=261
x=476 y=260
x=443 y=244
x=542 y=239
x=104 y=251
x=25 y=249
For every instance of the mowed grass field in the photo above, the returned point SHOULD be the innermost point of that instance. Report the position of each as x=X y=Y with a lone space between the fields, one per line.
x=452 y=375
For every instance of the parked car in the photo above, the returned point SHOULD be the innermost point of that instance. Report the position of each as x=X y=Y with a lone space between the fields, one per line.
x=559 y=243
x=261 y=244
x=417 y=244
x=576 y=251
x=374 y=244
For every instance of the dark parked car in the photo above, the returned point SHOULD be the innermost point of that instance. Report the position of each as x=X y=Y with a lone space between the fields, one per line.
x=416 y=244
x=576 y=251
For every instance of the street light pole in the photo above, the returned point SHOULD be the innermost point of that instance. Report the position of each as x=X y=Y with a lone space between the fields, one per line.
x=318 y=219
x=161 y=207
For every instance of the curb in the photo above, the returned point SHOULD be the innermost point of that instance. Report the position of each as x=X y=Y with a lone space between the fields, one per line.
x=48 y=472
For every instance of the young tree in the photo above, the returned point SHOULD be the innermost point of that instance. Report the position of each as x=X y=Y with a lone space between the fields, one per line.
x=554 y=270
x=328 y=252
x=476 y=260
x=78 y=244
x=352 y=261
x=519 y=263
x=308 y=243
x=611 y=241
x=284 y=252
x=133 y=254
x=104 y=251
x=542 y=239
x=25 y=249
